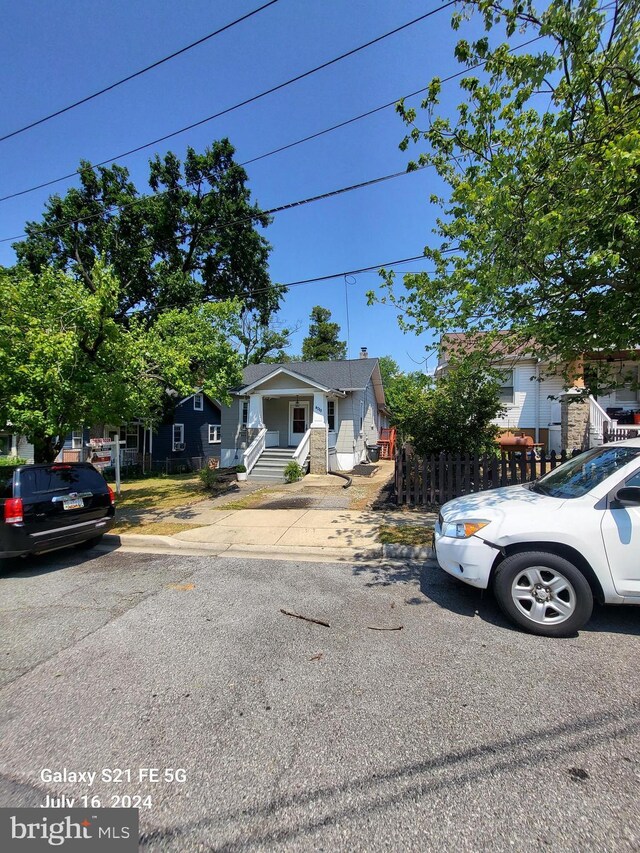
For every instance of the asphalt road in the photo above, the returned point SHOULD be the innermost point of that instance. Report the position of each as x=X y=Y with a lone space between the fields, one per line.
x=455 y=733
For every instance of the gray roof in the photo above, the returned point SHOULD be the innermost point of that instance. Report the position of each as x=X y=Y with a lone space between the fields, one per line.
x=351 y=375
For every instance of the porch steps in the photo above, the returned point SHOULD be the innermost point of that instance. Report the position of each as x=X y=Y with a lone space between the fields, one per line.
x=271 y=464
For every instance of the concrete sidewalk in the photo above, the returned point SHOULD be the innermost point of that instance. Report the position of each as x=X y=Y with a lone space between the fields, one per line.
x=335 y=533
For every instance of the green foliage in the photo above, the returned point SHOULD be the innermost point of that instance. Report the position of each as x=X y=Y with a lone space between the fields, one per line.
x=455 y=415
x=401 y=391
x=11 y=460
x=540 y=232
x=194 y=239
x=322 y=343
x=208 y=477
x=241 y=469
x=293 y=472
x=262 y=343
x=66 y=361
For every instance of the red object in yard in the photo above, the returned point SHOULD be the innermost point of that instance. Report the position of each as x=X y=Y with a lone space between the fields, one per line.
x=508 y=441
x=387 y=443
x=636 y=417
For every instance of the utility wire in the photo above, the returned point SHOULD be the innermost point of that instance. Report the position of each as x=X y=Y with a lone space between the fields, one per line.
x=289 y=206
x=136 y=73
x=244 y=103
x=298 y=141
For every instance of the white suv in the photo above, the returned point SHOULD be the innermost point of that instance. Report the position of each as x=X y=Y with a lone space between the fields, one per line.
x=549 y=548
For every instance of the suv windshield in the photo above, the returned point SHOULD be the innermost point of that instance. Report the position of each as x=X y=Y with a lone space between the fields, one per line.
x=578 y=476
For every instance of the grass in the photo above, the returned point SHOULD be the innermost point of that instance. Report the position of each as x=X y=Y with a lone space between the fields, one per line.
x=152 y=528
x=404 y=534
x=250 y=500
x=161 y=493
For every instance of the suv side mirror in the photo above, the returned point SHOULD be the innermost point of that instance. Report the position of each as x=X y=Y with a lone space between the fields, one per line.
x=628 y=496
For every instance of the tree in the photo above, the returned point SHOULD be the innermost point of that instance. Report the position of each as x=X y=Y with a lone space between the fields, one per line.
x=193 y=239
x=65 y=361
x=539 y=232
x=453 y=416
x=259 y=342
x=401 y=390
x=322 y=342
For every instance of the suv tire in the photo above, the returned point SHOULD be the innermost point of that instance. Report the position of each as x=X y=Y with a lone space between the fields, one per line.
x=543 y=593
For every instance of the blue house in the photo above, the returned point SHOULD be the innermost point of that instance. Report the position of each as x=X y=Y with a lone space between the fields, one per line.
x=188 y=439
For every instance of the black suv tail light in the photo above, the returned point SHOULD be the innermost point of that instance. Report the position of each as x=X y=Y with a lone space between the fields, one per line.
x=13 y=511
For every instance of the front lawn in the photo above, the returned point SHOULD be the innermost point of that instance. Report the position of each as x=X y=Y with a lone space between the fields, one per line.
x=405 y=534
x=160 y=493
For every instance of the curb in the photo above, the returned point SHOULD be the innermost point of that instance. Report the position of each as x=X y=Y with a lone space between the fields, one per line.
x=411 y=552
x=169 y=544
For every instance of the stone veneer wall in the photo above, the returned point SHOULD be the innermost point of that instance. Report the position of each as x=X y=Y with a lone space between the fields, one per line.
x=318 y=451
x=574 y=428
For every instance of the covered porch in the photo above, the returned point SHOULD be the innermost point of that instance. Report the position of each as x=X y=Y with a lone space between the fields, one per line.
x=289 y=418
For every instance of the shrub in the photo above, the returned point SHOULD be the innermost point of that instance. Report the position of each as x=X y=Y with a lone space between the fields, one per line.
x=208 y=477
x=241 y=469
x=12 y=460
x=293 y=472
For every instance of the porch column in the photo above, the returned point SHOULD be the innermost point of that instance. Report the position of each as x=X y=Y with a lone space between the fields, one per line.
x=255 y=417
x=574 y=428
x=319 y=446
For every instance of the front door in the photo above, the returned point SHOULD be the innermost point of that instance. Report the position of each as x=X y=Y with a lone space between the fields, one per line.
x=298 y=422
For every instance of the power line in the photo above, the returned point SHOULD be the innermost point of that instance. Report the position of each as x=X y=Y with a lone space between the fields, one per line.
x=280 y=209
x=298 y=141
x=136 y=73
x=237 y=106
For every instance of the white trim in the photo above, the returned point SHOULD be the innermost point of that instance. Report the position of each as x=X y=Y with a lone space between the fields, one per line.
x=77 y=438
x=198 y=398
x=244 y=421
x=291 y=435
x=174 y=443
x=216 y=428
x=283 y=370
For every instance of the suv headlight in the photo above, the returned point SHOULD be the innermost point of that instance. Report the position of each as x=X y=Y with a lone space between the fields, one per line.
x=463 y=529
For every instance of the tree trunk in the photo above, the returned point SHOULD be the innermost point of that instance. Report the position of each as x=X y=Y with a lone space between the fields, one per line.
x=46 y=448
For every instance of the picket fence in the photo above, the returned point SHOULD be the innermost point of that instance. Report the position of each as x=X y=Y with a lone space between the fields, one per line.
x=433 y=480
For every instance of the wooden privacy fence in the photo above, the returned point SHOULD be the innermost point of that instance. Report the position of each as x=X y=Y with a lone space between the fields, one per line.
x=434 y=480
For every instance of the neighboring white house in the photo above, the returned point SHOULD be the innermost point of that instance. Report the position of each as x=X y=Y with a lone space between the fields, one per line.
x=324 y=411
x=12 y=444
x=531 y=394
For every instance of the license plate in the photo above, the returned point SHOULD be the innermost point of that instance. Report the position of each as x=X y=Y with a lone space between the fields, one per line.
x=73 y=503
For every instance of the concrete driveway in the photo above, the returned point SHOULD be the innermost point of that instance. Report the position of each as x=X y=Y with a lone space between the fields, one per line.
x=455 y=733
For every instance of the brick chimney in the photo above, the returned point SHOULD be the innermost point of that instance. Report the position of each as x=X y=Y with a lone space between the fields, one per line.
x=364 y=352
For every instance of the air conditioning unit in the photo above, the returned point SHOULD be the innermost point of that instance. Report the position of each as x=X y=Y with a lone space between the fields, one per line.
x=179 y=445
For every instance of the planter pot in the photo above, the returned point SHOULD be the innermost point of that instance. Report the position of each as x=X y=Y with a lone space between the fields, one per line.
x=241 y=475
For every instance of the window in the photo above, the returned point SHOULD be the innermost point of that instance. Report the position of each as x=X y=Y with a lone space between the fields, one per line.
x=331 y=414
x=178 y=437
x=214 y=433
x=198 y=402
x=361 y=414
x=628 y=379
x=129 y=434
x=61 y=478
x=506 y=387
x=5 y=445
x=579 y=475
x=244 y=412
x=77 y=437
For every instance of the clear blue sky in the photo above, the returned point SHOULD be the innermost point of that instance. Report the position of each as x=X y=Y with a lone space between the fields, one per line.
x=55 y=53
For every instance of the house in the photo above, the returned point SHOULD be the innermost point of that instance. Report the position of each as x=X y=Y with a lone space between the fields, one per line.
x=12 y=444
x=532 y=392
x=321 y=412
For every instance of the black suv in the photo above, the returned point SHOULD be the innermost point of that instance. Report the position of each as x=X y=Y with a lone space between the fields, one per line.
x=43 y=507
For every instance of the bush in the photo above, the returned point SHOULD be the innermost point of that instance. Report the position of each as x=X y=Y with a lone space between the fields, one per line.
x=208 y=477
x=241 y=469
x=12 y=460
x=293 y=472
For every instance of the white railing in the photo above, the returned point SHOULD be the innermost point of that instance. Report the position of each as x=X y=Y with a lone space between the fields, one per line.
x=253 y=452
x=273 y=438
x=597 y=419
x=302 y=450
